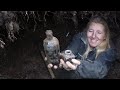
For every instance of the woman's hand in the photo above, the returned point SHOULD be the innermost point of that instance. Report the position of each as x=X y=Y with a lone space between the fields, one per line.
x=50 y=65
x=68 y=65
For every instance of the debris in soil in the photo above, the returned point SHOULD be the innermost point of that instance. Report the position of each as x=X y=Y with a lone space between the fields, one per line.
x=23 y=61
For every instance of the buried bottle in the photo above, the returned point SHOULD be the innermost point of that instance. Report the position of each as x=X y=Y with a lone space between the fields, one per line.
x=51 y=48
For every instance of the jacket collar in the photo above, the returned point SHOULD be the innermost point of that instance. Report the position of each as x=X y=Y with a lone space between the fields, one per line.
x=84 y=38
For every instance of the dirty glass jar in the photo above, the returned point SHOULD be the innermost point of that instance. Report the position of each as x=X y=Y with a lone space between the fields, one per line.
x=67 y=55
x=51 y=48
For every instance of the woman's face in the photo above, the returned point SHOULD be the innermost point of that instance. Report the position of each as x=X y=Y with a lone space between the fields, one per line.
x=95 y=34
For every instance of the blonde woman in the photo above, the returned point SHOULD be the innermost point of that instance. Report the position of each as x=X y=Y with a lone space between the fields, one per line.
x=93 y=52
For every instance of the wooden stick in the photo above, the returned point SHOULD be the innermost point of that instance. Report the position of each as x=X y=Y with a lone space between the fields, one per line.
x=49 y=69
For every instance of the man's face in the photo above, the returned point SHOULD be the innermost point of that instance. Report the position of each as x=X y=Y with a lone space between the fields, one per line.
x=95 y=34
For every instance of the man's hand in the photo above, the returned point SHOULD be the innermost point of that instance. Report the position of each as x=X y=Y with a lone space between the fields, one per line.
x=68 y=65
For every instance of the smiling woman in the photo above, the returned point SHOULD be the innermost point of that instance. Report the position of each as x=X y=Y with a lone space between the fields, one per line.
x=92 y=49
x=95 y=34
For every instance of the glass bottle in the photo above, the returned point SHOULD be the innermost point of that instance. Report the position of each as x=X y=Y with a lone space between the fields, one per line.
x=67 y=55
x=51 y=47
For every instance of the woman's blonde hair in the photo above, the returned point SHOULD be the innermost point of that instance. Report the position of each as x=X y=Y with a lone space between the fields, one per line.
x=105 y=44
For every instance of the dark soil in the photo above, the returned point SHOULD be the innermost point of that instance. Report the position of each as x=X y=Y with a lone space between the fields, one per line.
x=23 y=61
